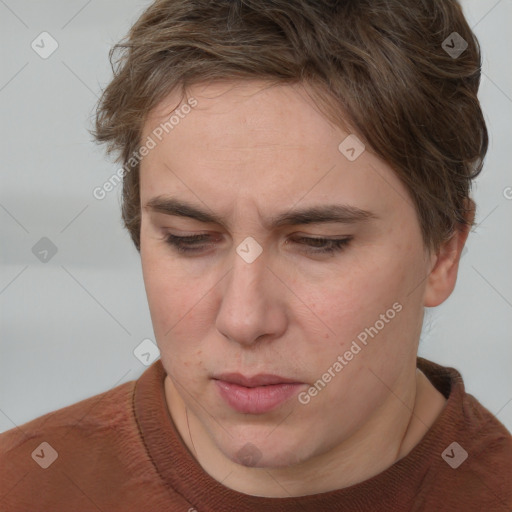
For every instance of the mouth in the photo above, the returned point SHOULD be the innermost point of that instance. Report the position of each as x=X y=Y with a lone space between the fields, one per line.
x=255 y=395
x=262 y=379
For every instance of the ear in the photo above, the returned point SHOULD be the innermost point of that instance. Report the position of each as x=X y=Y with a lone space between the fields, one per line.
x=443 y=276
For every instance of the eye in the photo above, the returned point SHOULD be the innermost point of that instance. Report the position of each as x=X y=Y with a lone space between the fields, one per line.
x=186 y=244
x=195 y=244
x=324 y=245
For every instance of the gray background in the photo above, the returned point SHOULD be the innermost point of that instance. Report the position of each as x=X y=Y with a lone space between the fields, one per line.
x=69 y=326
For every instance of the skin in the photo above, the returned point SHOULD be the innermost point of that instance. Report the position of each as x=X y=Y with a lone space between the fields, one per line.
x=248 y=152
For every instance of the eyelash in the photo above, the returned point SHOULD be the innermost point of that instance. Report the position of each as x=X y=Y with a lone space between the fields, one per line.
x=188 y=244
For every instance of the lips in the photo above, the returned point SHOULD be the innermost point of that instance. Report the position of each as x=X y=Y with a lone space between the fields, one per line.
x=262 y=379
x=257 y=394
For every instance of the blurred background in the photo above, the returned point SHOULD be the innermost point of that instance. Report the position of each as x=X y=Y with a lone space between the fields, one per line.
x=74 y=319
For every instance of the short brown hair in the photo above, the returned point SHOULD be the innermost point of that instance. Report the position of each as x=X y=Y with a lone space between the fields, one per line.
x=381 y=64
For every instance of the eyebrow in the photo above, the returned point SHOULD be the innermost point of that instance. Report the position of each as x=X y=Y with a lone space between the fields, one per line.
x=321 y=214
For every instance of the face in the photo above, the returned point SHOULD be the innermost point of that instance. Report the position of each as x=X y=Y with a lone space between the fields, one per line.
x=341 y=317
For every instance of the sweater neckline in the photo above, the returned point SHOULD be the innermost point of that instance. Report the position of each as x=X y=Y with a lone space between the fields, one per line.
x=181 y=472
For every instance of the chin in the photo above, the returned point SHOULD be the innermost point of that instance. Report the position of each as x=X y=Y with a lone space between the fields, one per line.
x=262 y=455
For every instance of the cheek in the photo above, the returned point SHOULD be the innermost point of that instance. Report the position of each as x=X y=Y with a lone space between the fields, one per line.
x=372 y=305
x=373 y=348
x=173 y=301
x=170 y=294
x=358 y=295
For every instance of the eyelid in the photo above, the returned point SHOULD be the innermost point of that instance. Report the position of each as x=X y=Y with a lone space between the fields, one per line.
x=191 y=245
x=206 y=236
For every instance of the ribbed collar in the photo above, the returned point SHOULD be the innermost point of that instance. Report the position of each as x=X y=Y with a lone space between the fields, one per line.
x=393 y=489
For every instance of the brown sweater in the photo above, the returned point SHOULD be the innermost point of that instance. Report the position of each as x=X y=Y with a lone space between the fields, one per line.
x=120 y=451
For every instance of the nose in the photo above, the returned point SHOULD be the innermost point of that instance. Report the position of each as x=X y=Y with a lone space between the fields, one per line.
x=251 y=302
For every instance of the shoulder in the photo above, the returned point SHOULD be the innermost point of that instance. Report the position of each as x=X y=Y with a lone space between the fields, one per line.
x=489 y=453
x=472 y=463
x=477 y=462
x=72 y=448
x=102 y=411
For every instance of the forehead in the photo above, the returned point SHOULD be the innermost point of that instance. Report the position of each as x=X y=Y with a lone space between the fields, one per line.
x=223 y=108
x=259 y=144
